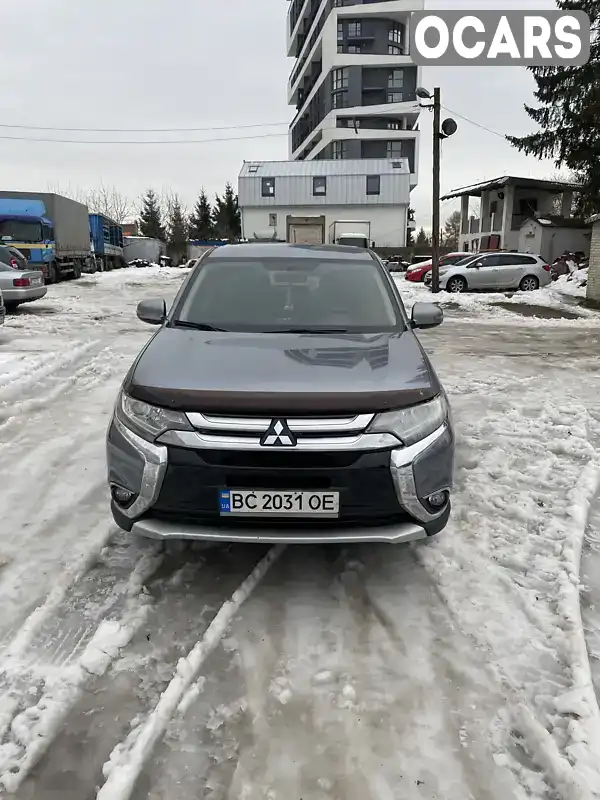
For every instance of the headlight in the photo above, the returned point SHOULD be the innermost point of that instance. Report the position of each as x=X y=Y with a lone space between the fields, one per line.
x=412 y=424
x=149 y=421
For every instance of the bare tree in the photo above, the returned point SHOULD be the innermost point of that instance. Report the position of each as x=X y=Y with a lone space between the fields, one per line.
x=110 y=202
x=105 y=200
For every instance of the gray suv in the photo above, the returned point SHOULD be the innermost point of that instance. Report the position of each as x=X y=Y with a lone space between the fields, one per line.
x=284 y=398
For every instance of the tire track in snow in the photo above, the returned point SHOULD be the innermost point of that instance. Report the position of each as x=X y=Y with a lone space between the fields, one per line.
x=318 y=692
x=527 y=482
x=43 y=395
x=40 y=679
x=183 y=596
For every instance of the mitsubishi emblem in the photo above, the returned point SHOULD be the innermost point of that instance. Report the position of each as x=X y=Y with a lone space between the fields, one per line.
x=278 y=434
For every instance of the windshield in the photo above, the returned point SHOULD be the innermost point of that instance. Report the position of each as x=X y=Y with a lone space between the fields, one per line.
x=292 y=295
x=21 y=231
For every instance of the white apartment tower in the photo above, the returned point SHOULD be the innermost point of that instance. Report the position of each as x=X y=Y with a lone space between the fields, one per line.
x=353 y=82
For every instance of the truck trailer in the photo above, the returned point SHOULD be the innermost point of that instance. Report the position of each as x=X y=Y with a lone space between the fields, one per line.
x=107 y=240
x=52 y=232
x=356 y=233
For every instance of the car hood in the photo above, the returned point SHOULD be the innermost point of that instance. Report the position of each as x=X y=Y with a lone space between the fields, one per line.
x=283 y=374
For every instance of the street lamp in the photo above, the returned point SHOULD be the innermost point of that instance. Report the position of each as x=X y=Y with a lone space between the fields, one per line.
x=447 y=128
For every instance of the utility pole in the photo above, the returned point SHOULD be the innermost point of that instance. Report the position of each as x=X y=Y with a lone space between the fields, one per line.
x=447 y=128
x=435 y=229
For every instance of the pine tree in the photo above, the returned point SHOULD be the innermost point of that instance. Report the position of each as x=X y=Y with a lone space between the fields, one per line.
x=201 y=223
x=226 y=215
x=151 y=221
x=422 y=238
x=569 y=114
x=177 y=229
x=452 y=229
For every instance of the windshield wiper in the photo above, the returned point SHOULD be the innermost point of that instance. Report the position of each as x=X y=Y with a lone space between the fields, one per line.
x=198 y=326
x=311 y=330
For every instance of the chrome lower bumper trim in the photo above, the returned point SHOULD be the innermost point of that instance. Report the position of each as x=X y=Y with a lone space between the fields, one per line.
x=155 y=466
x=393 y=534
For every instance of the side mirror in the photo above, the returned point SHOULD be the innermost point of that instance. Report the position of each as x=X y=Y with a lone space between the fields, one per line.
x=426 y=315
x=153 y=311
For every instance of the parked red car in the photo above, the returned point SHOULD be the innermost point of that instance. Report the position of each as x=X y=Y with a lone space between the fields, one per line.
x=417 y=272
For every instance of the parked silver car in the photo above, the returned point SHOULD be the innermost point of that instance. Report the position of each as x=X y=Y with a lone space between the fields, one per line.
x=495 y=271
x=20 y=286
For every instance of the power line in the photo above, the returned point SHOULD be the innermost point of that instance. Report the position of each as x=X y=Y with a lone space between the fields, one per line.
x=178 y=141
x=144 y=130
x=472 y=121
x=141 y=141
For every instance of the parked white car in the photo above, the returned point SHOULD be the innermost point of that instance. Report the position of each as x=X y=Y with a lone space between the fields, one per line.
x=495 y=272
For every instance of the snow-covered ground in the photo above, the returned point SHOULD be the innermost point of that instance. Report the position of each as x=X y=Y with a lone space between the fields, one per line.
x=454 y=669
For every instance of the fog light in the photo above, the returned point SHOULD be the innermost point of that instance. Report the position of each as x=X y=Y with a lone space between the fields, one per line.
x=437 y=499
x=121 y=495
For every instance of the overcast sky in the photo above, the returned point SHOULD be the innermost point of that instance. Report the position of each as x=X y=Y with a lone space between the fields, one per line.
x=202 y=63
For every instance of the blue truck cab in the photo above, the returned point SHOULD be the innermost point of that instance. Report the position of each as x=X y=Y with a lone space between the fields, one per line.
x=23 y=225
x=51 y=231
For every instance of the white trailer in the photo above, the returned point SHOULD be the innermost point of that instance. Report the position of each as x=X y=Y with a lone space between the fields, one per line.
x=356 y=233
x=143 y=247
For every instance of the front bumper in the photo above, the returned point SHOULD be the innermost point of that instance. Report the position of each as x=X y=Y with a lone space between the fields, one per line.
x=382 y=492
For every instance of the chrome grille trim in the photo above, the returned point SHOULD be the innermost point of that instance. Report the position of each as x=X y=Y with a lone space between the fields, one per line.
x=298 y=425
x=195 y=440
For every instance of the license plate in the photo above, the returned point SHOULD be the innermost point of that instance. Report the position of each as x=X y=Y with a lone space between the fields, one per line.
x=237 y=502
x=36 y=281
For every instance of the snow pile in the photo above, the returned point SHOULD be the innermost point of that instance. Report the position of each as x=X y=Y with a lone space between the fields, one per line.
x=128 y=758
x=572 y=287
x=508 y=568
x=559 y=295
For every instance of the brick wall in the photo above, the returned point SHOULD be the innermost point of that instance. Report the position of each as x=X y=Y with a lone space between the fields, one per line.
x=593 y=284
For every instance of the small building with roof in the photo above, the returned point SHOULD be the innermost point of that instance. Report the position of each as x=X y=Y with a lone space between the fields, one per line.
x=505 y=203
x=551 y=236
x=274 y=195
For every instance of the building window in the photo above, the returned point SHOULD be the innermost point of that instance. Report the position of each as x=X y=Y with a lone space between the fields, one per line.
x=373 y=184
x=354 y=48
x=394 y=50
x=394 y=97
x=340 y=100
x=354 y=29
x=396 y=33
x=319 y=187
x=396 y=79
x=272 y=220
x=340 y=79
x=253 y=169
x=340 y=31
x=394 y=149
x=339 y=150
x=268 y=187
x=393 y=126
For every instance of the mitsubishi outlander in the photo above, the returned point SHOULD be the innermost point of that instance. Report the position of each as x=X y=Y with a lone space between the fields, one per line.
x=284 y=398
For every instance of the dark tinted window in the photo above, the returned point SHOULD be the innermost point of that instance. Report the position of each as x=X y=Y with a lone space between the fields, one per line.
x=510 y=259
x=5 y=255
x=296 y=293
x=454 y=259
x=373 y=184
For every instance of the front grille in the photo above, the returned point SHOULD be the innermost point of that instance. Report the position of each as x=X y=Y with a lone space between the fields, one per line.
x=278 y=459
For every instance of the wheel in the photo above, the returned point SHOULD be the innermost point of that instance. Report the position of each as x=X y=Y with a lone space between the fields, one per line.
x=529 y=284
x=10 y=306
x=52 y=273
x=456 y=284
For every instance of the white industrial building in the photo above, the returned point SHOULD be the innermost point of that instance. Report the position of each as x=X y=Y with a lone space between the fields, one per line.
x=373 y=190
